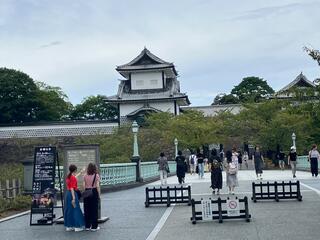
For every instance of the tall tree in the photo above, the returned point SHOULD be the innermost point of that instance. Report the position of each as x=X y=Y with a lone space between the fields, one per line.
x=314 y=53
x=252 y=89
x=18 y=97
x=94 y=108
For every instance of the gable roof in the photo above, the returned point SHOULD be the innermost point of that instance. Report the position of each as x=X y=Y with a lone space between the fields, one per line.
x=145 y=61
x=300 y=80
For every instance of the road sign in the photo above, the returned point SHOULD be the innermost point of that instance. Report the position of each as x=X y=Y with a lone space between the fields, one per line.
x=233 y=207
x=206 y=209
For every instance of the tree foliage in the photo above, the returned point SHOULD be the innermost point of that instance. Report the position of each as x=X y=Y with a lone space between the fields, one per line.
x=94 y=108
x=24 y=100
x=225 y=99
x=252 y=89
x=313 y=53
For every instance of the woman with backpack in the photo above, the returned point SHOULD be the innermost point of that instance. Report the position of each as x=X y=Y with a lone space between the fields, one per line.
x=258 y=162
x=216 y=172
x=232 y=170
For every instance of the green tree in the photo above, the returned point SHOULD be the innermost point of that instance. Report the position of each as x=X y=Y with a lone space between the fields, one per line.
x=54 y=104
x=225 y=99
x=94 y=108
x=252 y=89
x=18 y=97
x=315 y=54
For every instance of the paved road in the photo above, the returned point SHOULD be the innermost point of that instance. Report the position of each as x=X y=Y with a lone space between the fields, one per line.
x=129 y=219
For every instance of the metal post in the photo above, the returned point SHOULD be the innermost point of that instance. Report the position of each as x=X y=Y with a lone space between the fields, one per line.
x=176 y=146
x=294 y=139
x=135 y=157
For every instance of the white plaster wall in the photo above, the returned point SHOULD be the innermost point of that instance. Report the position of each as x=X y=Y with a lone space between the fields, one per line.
x=215 y=109
x=146 y=80
x=163 y=106
x=127 y=108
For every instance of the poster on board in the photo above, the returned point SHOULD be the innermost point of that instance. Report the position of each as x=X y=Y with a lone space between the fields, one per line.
x=43 y=185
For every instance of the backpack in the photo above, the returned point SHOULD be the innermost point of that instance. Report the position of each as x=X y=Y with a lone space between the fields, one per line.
x=232 y=168
x=192 y=159
x=215 y=164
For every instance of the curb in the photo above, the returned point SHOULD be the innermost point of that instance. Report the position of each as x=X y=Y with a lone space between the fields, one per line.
x=14 y=216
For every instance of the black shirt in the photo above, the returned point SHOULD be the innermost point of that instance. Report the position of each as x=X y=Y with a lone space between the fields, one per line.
x=200 y=157
x=180 y=160
x=293 y=156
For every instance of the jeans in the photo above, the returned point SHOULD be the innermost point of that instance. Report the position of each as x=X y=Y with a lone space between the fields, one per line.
x=163 y=176
x=201 y=169
x=293 y=167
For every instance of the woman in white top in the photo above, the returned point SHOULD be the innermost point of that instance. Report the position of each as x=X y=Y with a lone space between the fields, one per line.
x=314 y=157
x=232 y=171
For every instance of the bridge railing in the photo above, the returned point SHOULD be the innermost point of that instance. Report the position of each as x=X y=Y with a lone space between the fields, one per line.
x=302 y=163
x=123 y=173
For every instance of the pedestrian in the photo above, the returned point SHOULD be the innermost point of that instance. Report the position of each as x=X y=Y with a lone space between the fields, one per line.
x=200 y=161
x=163 y=168
x=313 y=158
x=73 y=217
x=181 y=167
x=246 y=159
x=232 y=170
x=216 y=172
x=258 y=162
x=91 y=182
x=292 y=160
x=192 y=162
x=281 y=157
x=240 y=159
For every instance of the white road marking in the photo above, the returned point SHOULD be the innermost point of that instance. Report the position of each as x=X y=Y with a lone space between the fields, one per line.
x=313 y=189
x=14 y=216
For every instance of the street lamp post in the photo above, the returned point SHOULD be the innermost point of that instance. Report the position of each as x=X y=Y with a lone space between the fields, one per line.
x=293 y=136
x=176 y=146
x=135 y=156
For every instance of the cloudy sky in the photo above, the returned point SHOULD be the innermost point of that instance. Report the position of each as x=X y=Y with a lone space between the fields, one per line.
x=76 y=44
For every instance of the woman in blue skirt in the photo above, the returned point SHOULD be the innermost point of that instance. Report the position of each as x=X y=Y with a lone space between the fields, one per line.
x=73 y=217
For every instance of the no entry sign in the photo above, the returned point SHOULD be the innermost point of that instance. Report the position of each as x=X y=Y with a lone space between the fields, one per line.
x=233 y=207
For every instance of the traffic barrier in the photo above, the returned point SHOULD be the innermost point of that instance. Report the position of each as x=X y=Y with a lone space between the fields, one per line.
x=276 y=191
x=168 y=195
x=220 y=209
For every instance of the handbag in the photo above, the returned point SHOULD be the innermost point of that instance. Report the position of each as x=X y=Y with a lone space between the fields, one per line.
x=88 y=192
x=167 y=168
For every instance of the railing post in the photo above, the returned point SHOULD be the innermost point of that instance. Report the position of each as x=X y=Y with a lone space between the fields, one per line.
x=276 y=191
x=147 y=197
x=254 y=192
x=14 y=188
x=137 y=160
x=298 y=191
x=220 y=210
x=193 y=207
x=189 y=195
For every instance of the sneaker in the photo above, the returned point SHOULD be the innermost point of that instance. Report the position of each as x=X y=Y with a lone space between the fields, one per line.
x=213 y=192
x=95 y=229
x=232 y=192
x=78 y=229
x=88 y=229
x=69 y=229
x=294 y=176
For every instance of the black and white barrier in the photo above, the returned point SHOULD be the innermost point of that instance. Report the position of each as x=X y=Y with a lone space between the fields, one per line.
x=276 y=191
x=220 y=209
x=168 y=195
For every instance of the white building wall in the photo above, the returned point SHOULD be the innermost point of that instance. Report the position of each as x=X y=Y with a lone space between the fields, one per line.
x=127 y=108
x=146 y=80
x=163 y=106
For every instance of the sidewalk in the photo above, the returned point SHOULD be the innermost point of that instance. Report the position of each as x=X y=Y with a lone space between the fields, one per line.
x=130 y=220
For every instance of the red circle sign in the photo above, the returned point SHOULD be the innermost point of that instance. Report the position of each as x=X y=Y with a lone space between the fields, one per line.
x=233 y=204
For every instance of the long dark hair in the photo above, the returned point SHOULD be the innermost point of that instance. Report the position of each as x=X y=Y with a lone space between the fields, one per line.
x=72 y=169
x=91 y=169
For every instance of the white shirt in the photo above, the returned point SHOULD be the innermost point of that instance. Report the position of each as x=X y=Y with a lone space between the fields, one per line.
x=314 y=154
x=194 y=158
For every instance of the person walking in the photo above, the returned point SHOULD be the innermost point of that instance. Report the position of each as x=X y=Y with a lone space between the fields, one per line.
x=240 y=159
x=232 y=170
x=246 y=159
x=258 y=162
x=192 y=163
x=216 y=172
x=73 y=217
x=281 y=157
x=91 y=182
x=181 y=167
x=313 y=158
x=292 y=160
x=163 y=168
x=200 y=161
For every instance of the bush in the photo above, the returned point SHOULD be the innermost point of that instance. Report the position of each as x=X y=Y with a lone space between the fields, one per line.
x=19 y=203
x=11 y=171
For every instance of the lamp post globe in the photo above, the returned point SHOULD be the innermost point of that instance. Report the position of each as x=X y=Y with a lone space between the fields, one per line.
x=176 y=146
x=135 y=129
x=293 y=136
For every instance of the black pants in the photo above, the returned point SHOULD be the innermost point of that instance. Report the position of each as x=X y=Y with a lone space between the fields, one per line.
x=314 y=166
x=90 y=205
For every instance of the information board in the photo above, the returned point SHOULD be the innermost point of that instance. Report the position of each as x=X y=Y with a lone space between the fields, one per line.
x=43 y=190
x=206 y=206
x=233 y=208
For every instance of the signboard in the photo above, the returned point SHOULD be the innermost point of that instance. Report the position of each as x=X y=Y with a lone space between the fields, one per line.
x=81 y=156
x=206 y=206
x=43 y=191
x=233 y=208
